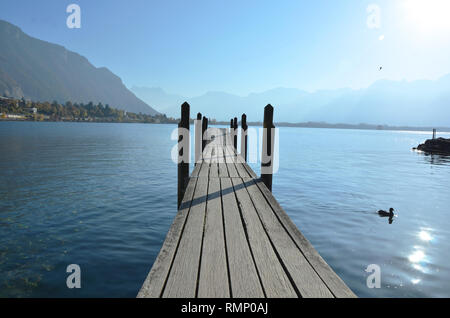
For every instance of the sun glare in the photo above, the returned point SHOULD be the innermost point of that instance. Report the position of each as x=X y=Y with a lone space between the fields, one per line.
x=425 y=236
x=428 y=15
x=415 y=281
x=416 y=257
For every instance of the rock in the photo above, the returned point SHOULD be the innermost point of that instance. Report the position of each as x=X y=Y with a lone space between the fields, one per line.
x=436 y=146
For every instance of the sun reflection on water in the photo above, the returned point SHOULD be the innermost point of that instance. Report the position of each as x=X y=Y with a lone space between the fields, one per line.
x=415 y=281
x=425 y=236
x=416 y=256
x=418 y=267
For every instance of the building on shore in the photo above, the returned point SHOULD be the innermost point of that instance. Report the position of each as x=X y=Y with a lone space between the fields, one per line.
x=11 y=116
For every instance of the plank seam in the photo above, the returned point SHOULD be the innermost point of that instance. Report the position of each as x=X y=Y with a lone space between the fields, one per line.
x=225 y=240
x=239 y=205
x=273 y=246
x=203 y=235
x=250 y=171
x=178 y=243
x=292 y=239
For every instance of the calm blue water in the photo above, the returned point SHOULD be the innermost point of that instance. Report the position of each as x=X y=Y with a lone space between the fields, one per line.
x=103 y=196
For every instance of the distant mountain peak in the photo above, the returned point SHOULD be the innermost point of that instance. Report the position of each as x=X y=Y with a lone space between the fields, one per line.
x=411 y=103
x=43 y=71
x=7 y=26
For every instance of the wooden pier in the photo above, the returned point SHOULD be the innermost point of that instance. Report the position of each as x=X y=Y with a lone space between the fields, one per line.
x=231 y=238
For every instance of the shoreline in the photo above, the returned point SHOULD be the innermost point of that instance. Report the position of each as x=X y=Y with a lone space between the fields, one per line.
x=297 y=125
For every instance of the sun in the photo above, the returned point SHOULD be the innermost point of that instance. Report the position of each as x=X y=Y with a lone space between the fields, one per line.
x=428 y=15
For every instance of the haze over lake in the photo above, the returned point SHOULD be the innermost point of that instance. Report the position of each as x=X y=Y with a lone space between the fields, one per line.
x=104 y=196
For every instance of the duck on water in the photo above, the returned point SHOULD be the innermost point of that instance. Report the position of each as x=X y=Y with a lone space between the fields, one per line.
x=384 y=213
x=389 y=214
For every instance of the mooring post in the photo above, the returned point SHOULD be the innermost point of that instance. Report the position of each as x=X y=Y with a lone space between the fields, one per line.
x=434 y=133
x=204 y=128
x=231 y=127
x=267 y=147
x=235 y=133
x=198 y=138
x=244 y=128
x=183 y=151
x=207 y=137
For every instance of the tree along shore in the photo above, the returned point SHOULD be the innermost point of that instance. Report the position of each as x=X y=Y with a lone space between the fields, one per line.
x=13 y=109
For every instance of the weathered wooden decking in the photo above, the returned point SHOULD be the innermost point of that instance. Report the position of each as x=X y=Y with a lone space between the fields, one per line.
x=231 y=238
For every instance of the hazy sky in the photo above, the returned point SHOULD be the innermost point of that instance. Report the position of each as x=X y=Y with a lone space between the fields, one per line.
x=190 y=47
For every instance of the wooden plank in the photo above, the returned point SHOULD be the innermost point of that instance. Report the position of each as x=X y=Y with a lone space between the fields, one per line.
x=239 y=158
x=306 y=280
x=213 y=170
x=223 y=170
x=214 y=153
x=204 y=171
x=231 y=158
x=213 y=278
x=207 y=153
x=218 y=154
x=274 y=279
x=182 y=280
x=222 y=140
x=196 y=170
x=330 y=278
x=154 y=283
x=230 y=140
x=221 y=154
x=249 y=170
x=243 y=173
x=244 y=279
x=227 y=137
x=230 y=152
x=232 y=170
x=238 y=162
x=230 y=162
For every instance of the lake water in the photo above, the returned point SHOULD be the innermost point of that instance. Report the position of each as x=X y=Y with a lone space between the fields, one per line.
x=104 y=195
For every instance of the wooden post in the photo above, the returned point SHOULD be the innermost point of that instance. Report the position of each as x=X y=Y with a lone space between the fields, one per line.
x=434 y=133
x=183 y=151
x=198 y=138
x=206 y=132
x=231 y=128
x=244 y=128
x=204 y=128
x=267 y=147
x=235 y=133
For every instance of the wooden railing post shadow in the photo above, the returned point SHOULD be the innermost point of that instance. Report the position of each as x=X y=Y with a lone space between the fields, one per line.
x=183 y=151
x=244 y=128
x=198 y=138
x=267 y=147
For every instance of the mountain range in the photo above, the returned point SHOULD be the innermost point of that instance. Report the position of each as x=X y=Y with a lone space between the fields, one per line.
x=415 y=103
x=41 y=71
